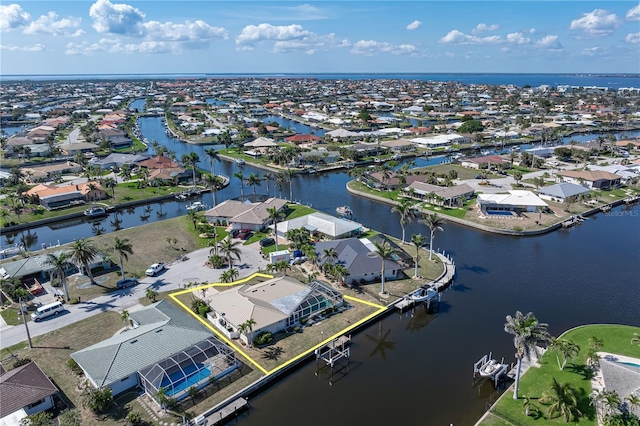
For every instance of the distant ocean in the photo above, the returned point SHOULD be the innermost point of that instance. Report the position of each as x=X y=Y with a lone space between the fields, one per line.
x=612 y=81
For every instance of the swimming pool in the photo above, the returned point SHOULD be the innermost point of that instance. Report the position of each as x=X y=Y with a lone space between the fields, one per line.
x=499 y=213
x=631 y=364
x=182 y=381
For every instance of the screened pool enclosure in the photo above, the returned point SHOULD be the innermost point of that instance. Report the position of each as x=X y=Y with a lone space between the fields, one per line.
x=196 y=367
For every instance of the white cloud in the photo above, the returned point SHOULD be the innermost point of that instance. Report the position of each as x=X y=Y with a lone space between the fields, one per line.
x=34 y=48
x=517 y=38
x=532 y=30
x=145 y=47
x=85 y=48
x=458 y=37
x=482 y=27
x=372 y=47
x=633 y=14
x=198 y=32
x=598 y=23
x=50 y=24
x=549 y=42
x=116 y=18
x=12 y=16
x=593 y=51
x=414 y=25
x=633 y=38
x=253 y=34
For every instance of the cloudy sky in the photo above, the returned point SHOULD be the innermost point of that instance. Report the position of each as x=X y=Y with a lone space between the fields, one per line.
x=121 y=36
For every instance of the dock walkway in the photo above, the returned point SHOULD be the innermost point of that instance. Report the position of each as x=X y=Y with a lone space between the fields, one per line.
x=224 y=413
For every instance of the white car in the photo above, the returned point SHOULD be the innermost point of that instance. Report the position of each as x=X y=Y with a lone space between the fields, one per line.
x=154 y=269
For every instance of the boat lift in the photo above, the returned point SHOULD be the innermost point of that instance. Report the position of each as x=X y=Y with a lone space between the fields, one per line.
x=497 y=375
x=332 y=352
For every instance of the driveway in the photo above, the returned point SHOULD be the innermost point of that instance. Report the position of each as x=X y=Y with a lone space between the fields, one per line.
x=173 y=278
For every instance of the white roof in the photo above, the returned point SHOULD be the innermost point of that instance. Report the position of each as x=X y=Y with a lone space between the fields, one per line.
x=261 y=142
x=515 y=197
x=323 y=223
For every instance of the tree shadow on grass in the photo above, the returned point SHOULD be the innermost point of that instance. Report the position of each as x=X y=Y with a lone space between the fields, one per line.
x=581 y=369
x=272 y=353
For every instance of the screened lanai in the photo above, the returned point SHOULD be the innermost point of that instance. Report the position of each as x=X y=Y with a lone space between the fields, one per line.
x=194 y=366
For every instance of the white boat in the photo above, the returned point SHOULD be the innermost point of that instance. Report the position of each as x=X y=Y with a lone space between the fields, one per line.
x=196 y=206
x=490 y=368
x=13 y=250
x=344 y=211
x=95 y=211
x=240 y=162
x=396 y=157
x=424 y=293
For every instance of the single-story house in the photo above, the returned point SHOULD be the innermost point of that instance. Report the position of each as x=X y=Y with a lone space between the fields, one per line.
x=593 y=179
x=51 y=170
x=164 y=347
x=244 y=214
x=541 y=151
x=362 y=262
x=118 y=160
x=398 y=145
x=441 y=195
x=563 y=192
x=441 y=140
x=74 y=148
x=24 y=391
x=53 y=197
x=628 y=173
x=516 y=201
x=489 y=160
x=300 y=139
x=275 y=305
x=321 y=224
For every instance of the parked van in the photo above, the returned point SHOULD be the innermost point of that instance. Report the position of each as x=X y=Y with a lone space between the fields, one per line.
x=47 y=310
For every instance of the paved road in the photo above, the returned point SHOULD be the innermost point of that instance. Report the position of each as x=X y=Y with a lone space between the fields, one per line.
x=173 y=278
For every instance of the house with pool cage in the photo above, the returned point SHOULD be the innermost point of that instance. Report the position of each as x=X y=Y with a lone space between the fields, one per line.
x=164 y=347
x=275 y=305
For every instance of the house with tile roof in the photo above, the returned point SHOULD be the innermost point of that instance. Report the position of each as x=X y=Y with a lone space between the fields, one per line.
x=593 y=179
x=164 y=348
x=53 y=197
x=245 y=214
x=516 y=201
x=24 y=391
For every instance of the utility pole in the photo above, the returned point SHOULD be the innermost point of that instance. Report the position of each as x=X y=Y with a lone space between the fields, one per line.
x=23 y=309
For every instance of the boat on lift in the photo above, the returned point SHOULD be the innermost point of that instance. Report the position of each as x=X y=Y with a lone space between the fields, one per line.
x=424 y=293
x=95 y=211
x=344 y=211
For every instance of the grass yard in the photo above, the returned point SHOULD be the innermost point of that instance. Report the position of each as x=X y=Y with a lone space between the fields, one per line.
x=616 y=340
x=297 y=210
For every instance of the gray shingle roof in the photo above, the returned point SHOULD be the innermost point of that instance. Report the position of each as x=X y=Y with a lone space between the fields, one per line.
x=355 y=256
x=164 y=330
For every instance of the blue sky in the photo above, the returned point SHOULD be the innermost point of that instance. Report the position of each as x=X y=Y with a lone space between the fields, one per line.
x=115 y=36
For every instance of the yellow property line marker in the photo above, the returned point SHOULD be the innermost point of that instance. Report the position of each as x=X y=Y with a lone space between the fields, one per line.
x=224 y=338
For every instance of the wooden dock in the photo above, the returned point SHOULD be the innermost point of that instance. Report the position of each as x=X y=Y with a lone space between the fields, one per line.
x=440 y=283
x=223 y=414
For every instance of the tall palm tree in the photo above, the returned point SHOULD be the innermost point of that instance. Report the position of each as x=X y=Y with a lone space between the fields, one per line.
x=406 y=212
x=290 y=174
x=267 y=177
x=125 y=172
x=60 y=264
x=563 y=399
x=191 y=159
x=124 y=316
x=527 y=333
x=229 y=249
x=566 y=348
x=84 y=252
x=213 y=156
x=253 y=180
x=418 y=241
x=386 y=252
x=240 y=176
x=434 y=223
x=274 y=217
x=111 y=184
x=124 y=249
x=330 y=254
x=214 y=183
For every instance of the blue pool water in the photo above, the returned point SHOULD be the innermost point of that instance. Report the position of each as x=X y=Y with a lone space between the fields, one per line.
x=182 y=381
x=630 y=364
x=499 y=213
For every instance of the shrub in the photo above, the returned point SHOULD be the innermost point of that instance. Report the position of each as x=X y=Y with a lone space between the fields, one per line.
x=263 y=338
x=217 y=261
x=69 y=418
x=97 y=400
x=297 y=329
x=304 y=320
x=20 y=362
x=134 y=418
x=73 y=366
x=55 y=282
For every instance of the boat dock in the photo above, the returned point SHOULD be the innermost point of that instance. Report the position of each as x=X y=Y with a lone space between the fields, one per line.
x=440 y=283
x=223 y=414
x=332 y=352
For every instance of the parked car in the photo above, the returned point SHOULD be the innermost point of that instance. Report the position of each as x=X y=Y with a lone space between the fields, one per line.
x=266 y=242
x=154 y=269
x=127 y=282
x=244 y=234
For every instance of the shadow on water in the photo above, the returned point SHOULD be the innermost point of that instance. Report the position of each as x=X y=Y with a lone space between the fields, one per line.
x=459 y=287
x=476 y=269
x=340 y=370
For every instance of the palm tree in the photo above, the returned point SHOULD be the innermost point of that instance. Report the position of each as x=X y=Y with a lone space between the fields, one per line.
x=249 y=327
x=124 y=249
x=111 y=184
x=528 y=333
x=240 y=176
x=214 y=183
x=330 y=254
x=406 y=212
x=267 y=177
x=151 y=294
x=125 y=172
x=274 y=217
x=434 y=223
x=213 y=156
x=563 y=399
x=83 y=252
x=229 y=249
x=195 y=217
x=566 y=348
x=290 y=174
x=418 y=241
x=253 y=180
x=386 y=252
x=60 y=264
x=124 y=316
x=230 y=275
x=191 y=159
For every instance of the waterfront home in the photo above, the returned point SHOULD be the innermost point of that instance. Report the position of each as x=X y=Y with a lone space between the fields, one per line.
x=516 y=201
x=321 y=225
x=449 y=196
x=24 y=391
x=301 y=139
x=275 y=305
x=564 y=192
x=398 y=145
x=162 y=347
x=621 y=374
x=74 y=148
x=628 y=173
x=484 y=162
x=244 y=214
x=393 y=181
x=442 y=140
x=117 y=160
x=316 y=156
x=362 y=262
x=414 y=110
x=593 y=179
x=50 y=171
x=53 y=197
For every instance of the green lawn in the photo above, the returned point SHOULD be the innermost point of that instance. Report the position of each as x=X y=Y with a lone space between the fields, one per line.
x=616 y=338
x=297 y=210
